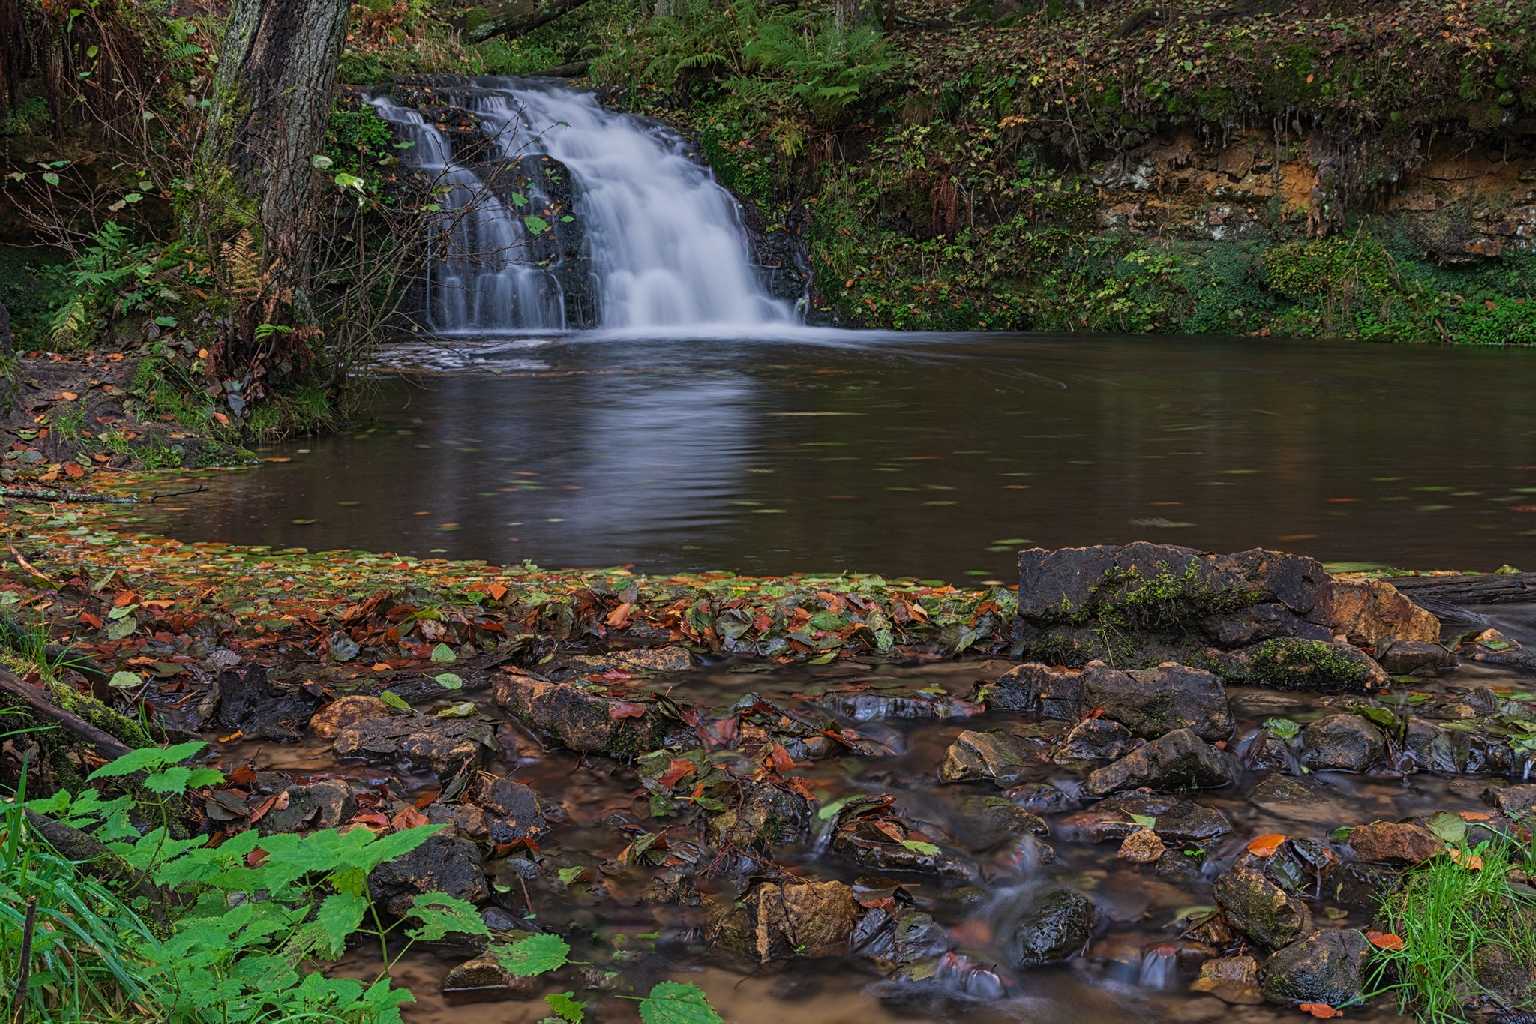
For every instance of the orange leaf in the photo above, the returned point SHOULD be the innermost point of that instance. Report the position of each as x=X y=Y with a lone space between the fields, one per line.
x=407 y=817
x=1470 y=861
x=94 y=621
x=1384 y=940
x=780 y=759
x=497 y=591
x=675 y=772
x=1476 y=815
x=625 y=709
x=1322 y=1011
x=1266 y=845
x=74 y=470
x=124 y=597
x=619 y=617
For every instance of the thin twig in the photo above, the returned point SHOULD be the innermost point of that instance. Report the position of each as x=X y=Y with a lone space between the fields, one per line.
x=24 y=967
x=31 y=569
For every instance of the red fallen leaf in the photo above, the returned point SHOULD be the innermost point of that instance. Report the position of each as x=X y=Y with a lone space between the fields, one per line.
x=1266 y=845
x=799 y=786
x=256 y=858
x=890 y=830
x=124 y=597
x=619 y=617
x=243 y=776
x=407 y=817
x=372 y=820
x=74 y=470
x=780 y=759
x=1384 y=940
x=497 y=591
x=1096 y=713
x=625 y=709
x=763 y=623
x=425 y=797
x=92 y=620
x=1322 y=1011
x=675 y=772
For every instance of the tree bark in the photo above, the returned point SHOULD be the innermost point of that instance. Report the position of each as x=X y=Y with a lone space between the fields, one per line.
x=271 y=101
x=525 y=17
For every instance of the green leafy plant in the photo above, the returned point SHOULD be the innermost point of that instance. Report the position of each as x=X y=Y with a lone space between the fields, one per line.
x=111 y=277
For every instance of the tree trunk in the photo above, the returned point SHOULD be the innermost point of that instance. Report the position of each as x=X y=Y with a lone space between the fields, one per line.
x=271 y=102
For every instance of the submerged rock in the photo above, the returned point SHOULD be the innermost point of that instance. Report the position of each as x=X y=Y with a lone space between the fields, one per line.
x=444 y=863
x=485 y=977
x=1260 y=909
x=880 y=707
x=1050 y=925
x=1326 y=966
x=997 y=756
x=765 y=816
x=982 y=823
x=1341 y=743
x=1043 y=798
x=1179 y=760
x=1034 y=688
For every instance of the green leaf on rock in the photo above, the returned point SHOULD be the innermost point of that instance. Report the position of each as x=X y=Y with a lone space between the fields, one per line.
x=442 y=654
x=442 y=915
x=449 y=681
x=672 y=1002
x=394 y=700
x=1449 y=827
x=920 y=847
x=125 y=681
x=566 y=1006
x=537 y=954
x=1282 y=728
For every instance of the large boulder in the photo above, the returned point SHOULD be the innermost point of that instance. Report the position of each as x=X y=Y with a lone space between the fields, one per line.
x=1326 y=966
x=1180 y=760
x=1050 y=925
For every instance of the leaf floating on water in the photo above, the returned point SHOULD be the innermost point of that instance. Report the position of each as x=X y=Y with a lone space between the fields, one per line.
x=671 y=1002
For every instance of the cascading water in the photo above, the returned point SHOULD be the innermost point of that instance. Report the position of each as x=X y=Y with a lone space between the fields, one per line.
x=661 y=243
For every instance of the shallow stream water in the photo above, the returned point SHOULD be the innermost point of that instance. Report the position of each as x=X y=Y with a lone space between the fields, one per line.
x=920 y=455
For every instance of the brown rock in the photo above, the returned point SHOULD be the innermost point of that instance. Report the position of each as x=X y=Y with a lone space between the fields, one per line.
x=998 y=756
x=584 y=720
x=484 y=975
x=347 y=711
x=1394 y=842
x=1141 y=847
x=1232 y=979
x=1372 y=613
x=775 y=922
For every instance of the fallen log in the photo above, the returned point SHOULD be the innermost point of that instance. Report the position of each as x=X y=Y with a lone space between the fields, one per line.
x=107 y=745
x=1472 y=589
x=525 y=18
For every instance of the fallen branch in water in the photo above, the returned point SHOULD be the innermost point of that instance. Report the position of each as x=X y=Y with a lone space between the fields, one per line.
x=60 y=497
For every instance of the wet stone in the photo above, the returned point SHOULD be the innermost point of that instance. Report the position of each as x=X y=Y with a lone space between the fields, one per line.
x=1049 y=925
x=1232 y=979
x=767 y=816
x=776 y=922
x=1513 y=801
x=1043 y=798
x=1375 y=614
x=1260 y=909
x=512 y=812
x=344 y=712
x=1093 y=739
x=582 y=719
x=245 y=700
x=879 y=707
x=982 y=823
x=1326 y=966
x=639 y=659
x=1142 y=847
x=899 y=935
x=484 y=976
x=1176 y=820
x=444 y=863
x=1037 y=689
x=1394 y=842
x=1180 y=760
x=1322 y=666
x=324 y=804
x=1341 y=742
x=1417 y=658
x=444 y=745
x=999 y=757
x=1154 y=701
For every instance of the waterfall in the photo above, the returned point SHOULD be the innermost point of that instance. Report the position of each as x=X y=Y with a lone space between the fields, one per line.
x=640 y=236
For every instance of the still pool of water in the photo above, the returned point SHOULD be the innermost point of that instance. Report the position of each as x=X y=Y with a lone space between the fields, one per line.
x=927 y=455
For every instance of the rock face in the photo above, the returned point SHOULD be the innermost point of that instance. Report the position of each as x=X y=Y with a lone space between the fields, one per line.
x=1179 y=760
x=1325 y=966
x=1052 y=924
x=1142 y=603
x=1394 y=842
x=1151 y=702
x=1341 y=742
x=444 y=863
x=1260 y=909
x=776 y=922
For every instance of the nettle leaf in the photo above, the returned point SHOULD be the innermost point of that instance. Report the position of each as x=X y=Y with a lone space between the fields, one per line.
x=396 y=844
x=920 y=847
x=537 y=954
x=536 y=225
x=441 y=915
x=672 y=1002
x=566 y=1006
x=147 y=758
x=442 y=654
x=181 y=778
x=125 y=681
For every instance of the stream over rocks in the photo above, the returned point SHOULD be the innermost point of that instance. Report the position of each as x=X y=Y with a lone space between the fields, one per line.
x=1112 y=833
